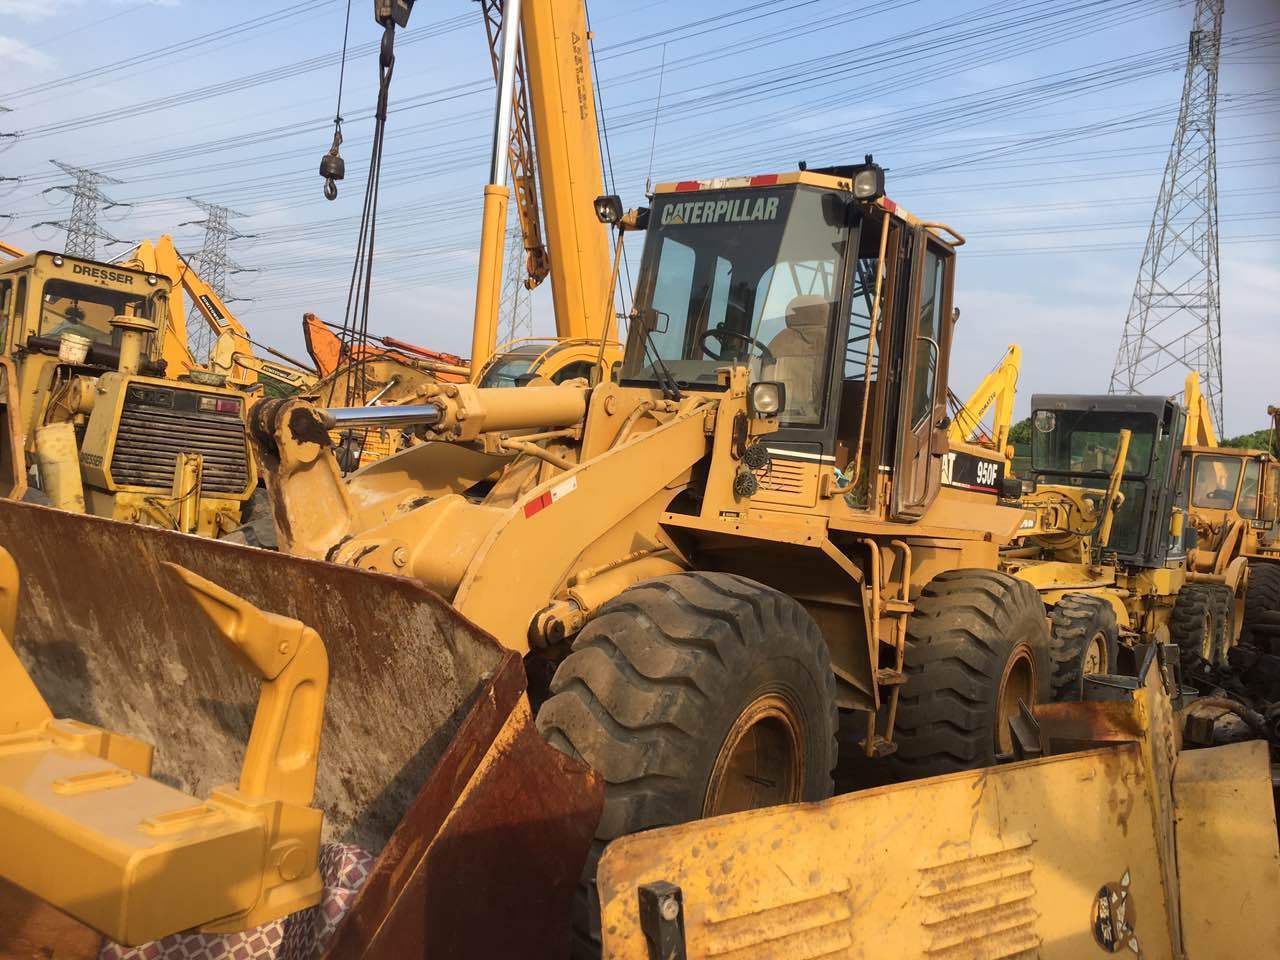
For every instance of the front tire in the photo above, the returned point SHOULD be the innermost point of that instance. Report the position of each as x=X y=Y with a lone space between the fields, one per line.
x=1261 y=598
x=1197 y=625
x=692 y=695
x=977 y=643
x=1083 y=639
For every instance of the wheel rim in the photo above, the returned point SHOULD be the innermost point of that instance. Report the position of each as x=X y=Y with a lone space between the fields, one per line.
x=761 y=762
x=1017 y=683
x=1095 y=655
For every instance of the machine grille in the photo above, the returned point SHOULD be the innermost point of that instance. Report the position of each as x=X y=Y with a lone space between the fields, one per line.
x=153 y=434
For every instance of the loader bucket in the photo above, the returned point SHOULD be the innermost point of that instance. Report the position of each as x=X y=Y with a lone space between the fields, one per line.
x=428 y=754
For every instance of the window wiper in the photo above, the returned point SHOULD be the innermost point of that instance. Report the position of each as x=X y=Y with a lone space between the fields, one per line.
x=670 y=388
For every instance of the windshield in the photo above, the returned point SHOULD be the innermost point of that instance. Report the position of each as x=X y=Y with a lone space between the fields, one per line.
x=67 y=307
x=1214 y=484
x=1086 y=442
x=741 y=277
x=506 y=370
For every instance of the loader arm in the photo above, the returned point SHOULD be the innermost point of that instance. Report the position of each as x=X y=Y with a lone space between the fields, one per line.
x=9 y=250
x=1200 y=431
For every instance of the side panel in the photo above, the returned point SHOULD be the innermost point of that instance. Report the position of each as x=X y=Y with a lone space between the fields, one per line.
x=1227 y=856
x=1002 y=862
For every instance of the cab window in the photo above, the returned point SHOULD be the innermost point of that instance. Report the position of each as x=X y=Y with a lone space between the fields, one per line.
x=6 y=307
x=1214 y=484
x=1249 y=490
x=928 y=339
x=67 y=307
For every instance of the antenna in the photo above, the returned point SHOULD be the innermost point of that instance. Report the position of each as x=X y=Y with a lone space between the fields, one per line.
x=657 y=108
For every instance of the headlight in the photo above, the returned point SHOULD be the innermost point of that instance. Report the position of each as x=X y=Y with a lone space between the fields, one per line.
x=868 y=180
x=57 y=261
x=608 y=208
x=153 y=279
x=766 y=399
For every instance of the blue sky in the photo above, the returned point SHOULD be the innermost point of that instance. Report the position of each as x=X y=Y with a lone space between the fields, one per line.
x=1038 y=129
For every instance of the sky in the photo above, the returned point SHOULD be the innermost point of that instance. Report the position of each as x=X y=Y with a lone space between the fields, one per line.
x=1039 y=130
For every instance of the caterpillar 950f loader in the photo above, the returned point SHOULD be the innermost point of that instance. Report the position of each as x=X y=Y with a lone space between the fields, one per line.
x=761 y=524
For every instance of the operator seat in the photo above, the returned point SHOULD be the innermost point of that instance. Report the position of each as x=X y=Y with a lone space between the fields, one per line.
x=799 y=353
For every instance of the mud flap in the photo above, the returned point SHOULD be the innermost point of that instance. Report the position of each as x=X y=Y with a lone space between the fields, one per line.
x=428 y=754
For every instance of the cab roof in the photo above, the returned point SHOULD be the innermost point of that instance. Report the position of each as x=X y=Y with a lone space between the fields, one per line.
x=811 y=178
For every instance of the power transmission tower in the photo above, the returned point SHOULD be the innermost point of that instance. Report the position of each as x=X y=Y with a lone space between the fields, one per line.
x=7 y=140
x=1175 y=318
x=516 y=306
x=87 y=200
x=214 y=264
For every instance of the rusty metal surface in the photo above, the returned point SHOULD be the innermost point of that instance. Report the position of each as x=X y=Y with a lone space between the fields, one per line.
x=1008 y=861
x=486 y=860
x=112 y=639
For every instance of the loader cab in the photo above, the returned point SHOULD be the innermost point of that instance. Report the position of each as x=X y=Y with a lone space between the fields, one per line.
x=46 y=295
x=1074 y=442
x=780 y=274
x=1237 y=482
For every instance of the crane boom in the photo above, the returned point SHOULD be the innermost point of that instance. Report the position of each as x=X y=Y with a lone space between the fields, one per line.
x=566 y=155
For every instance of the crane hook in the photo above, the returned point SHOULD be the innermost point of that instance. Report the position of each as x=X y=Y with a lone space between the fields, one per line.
x=332 y=167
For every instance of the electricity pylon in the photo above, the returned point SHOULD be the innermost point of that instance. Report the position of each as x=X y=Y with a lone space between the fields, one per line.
x=1175 y=317
x=213 y=264
x=87 y=200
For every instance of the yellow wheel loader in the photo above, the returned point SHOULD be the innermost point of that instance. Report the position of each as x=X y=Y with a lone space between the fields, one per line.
x=760 y=523
x=759 y=526
x=1234 y=509
x=87 y=402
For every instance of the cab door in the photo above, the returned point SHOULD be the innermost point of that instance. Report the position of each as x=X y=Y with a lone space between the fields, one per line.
x=922 y=399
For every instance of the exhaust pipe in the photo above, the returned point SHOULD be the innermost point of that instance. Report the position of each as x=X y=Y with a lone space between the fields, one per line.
x=133 y=336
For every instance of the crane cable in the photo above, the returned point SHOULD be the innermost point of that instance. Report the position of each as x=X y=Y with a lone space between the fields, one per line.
x=332 y=167
x=355 y=322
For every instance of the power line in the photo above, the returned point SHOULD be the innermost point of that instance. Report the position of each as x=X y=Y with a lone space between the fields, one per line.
x=87 y=200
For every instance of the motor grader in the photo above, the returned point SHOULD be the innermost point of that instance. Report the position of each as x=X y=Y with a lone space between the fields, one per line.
x=1104 y=539
x=87 y=401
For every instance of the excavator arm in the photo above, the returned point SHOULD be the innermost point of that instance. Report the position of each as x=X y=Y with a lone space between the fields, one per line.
x=996 y=393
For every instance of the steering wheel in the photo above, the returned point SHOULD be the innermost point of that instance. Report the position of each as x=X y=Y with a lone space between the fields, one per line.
x=723 y=334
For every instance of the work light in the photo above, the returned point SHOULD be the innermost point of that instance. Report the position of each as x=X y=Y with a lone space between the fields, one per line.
x=868 y=180
x=766 y=398
x=608 y=208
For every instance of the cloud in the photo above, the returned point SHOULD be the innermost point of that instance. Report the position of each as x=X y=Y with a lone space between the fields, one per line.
x=41 y=10
x=18 y=53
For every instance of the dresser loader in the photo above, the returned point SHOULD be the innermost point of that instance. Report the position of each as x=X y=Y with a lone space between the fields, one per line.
x=87 y=402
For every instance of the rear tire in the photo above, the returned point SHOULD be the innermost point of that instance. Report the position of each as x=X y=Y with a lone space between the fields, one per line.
x=1261 y=598
x=691 y=695
x=1196 y=625
x=976 y=644
x=1083 y=639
